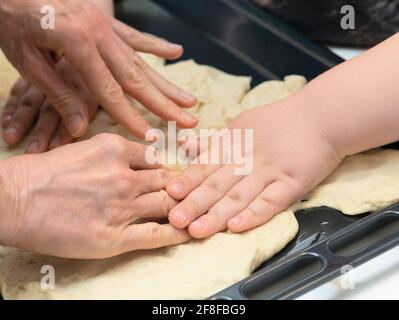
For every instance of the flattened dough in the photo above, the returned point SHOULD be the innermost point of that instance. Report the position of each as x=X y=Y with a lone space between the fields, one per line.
x=363 y=183
x=192 y=270
x=8 y=76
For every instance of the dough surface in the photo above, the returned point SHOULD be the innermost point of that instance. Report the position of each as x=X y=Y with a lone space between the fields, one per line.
x=192 y=270
x=363 y=183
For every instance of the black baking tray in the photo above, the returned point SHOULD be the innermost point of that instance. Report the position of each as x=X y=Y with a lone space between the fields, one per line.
x=237 y=36
x=317 y=257
x=233 y=35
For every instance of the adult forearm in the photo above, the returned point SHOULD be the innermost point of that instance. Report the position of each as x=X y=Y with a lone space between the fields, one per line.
x=357 y=103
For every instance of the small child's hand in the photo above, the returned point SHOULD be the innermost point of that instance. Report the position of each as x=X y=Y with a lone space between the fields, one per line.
x=291 y=156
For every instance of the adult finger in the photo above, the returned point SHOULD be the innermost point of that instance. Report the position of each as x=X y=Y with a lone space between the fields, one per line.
x=151 y=235
x=63 y=97
x=106 y=90
x=61 y=137
x=152 y=180
x=25 y=115
x=181 y=97
x=19 y=88
x=153 y=205
x=146 y=43
x=130 y=71
x=44 y=130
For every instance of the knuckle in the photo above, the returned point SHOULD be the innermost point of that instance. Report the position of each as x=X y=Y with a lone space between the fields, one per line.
x=135 y=78
x=235 y=197
x=163 y=175
x=122 y=185
x=28 y=101
x=271 y=202
x=17 y=87
x=202 y=170
x=211 y=185
x=47 y=109
x=101 y=234
x=251 y=213
x=140 y=62
x=154 y=232
x=113 y=90
x=167 y=203
x=113 y=143
x=63 y=101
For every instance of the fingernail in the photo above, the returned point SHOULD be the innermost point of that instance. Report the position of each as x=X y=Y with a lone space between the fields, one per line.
x=174 y=46
x=198 y=224
x=181 y=215
x=34 y=146
x=187 y=96
x=75 y=124
x=236 y=220
x=188 y=116
x=56 y=142
x=178 y=187
x=11 y=131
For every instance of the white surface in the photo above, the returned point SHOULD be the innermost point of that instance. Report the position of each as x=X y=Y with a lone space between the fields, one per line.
x=346 y=53
x=377 y=279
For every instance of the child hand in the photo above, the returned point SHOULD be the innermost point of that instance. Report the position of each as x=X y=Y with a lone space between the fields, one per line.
x=291 y=156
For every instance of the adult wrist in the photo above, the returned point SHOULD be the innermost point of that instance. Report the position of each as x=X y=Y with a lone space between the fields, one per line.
x=8 y=203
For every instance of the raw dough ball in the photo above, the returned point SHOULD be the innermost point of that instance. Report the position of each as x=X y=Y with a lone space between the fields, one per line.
x=272 y=91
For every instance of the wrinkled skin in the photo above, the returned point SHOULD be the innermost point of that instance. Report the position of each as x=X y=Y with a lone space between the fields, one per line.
x=99 y=55
x=80 y=200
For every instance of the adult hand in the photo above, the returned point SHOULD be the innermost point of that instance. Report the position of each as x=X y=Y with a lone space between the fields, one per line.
x=103 y=51
x=84 y=200
x=28 y=110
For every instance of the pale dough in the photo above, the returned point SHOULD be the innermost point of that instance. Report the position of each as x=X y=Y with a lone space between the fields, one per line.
x=190 y=271
x=272 y=91
x=198 y=269
x=363 y=183
x=8 y=76
x=193 y=270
